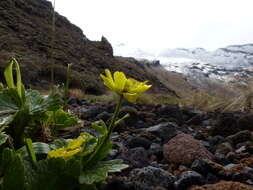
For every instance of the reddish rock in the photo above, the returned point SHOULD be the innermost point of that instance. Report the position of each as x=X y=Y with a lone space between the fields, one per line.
x=184 y=149
x=223 y=186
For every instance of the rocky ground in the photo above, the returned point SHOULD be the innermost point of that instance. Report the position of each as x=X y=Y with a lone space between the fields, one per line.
x=167 y=147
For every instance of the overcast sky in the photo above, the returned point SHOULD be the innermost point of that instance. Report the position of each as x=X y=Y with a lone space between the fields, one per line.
x=158 y=24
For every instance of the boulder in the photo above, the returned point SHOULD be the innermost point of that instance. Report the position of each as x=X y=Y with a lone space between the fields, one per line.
x=223 y=186
x=183 y=149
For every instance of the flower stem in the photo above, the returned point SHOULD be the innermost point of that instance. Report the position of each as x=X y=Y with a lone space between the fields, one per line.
x=110 y=129
x=115 y=115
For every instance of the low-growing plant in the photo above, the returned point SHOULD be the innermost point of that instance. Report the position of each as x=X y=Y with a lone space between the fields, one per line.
x=71 y=164
x=21 y=111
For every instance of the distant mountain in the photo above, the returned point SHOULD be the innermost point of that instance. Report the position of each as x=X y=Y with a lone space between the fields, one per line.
x=229 y=64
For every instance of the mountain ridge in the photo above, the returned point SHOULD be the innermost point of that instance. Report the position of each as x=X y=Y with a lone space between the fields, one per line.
x=26 y=33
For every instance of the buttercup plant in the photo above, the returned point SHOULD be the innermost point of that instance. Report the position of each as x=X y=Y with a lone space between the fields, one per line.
x=80 y=162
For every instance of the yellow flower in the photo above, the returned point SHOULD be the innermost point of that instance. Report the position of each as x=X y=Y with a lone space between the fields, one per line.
x=73 y=144
x=128 y=87
x=74 y=147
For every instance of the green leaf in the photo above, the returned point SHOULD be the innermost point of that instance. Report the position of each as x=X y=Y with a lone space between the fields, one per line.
x=93 y=175
x=60 y=119
x=4 y=121
x=103 y=151
x=58 y=143
x=103 y=145
x=114 y=165
x=30 y=150
x=3 y=138
x=121 y=119
x=13 y=170
x=89 y=145
x=10 y=102
x=1 y=86
x=9 y=75
x=54 y=174
x=39 y=104
x=38 y=147
x=100 y=127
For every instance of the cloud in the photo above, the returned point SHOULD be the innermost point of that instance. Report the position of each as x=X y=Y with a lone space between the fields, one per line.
x=163 y=23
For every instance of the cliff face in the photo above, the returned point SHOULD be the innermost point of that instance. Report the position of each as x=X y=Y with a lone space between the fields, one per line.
x=26 y=33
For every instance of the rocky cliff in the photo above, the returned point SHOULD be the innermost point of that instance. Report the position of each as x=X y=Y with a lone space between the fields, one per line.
x=26 y=33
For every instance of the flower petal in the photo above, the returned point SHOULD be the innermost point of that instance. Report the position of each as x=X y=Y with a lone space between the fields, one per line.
x=71 y=153
x=120 y=81
x=108 y=74
x=141 y=88
x=76 y=143
x=56 y=153
x=134 y=86
x=108 y=81
x=131 y=97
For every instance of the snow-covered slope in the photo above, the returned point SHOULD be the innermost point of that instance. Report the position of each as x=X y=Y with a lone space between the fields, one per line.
x=230 y=64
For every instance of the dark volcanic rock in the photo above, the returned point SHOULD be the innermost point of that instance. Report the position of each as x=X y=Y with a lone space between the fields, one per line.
x=201 y=167
x=226 y=125
x=165 y=131
x=135 y=157
x=241 y=136
x=138 y=142
x=171 y=112
x=187 y=179
x=150 y=177
x=245 y=122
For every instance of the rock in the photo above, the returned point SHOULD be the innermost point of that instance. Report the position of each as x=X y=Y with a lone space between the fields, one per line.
x=138 y=142
x=248 y=172
x=135 y=157
x=150 y=177
x=223 y=186
x=247 y=161
x=245 y=122
x=169 y=111
x=211 y=178
x=224 y=148
x=105 y=116
x=118 y=183
x=112 y=154
x=73 y=100
x=105 y=44
x=221 y=158
x=226 y=125
x=187 y=179
x=216 y=140
x=165 y=131
x=183 y=149
x=231 y=156
x=201 y=167
x=156 y=149
x=241 y=149
x=91 y=112
x=239 y=137
x=197 y=119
